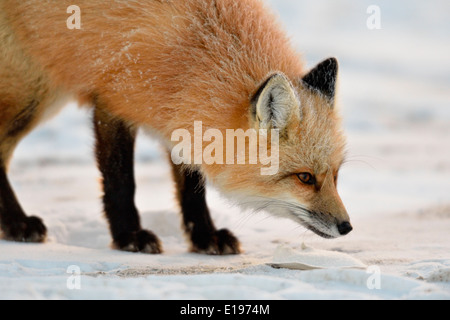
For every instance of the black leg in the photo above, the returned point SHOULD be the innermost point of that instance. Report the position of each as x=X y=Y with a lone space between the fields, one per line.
x=197 y=223
x=115 y=156
x=16 y=226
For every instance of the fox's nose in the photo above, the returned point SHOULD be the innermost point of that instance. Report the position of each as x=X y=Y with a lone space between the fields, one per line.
x=344 y=228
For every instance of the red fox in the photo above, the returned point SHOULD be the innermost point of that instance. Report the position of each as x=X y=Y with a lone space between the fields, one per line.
x=162 y=65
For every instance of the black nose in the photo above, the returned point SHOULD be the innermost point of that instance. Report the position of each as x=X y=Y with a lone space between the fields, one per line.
x=345 y=228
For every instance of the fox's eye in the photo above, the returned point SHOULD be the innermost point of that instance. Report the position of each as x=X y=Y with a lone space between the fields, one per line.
x=307 y=178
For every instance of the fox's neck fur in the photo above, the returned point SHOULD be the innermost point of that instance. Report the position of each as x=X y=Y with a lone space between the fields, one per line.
x=214 y=52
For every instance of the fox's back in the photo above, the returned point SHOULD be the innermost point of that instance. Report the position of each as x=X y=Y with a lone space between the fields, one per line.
x=164 y=55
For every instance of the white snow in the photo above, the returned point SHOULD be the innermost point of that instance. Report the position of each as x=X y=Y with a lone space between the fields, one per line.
x=308 y=258
x=394 y=98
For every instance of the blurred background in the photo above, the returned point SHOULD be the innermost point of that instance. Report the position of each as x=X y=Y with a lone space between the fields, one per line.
x=394 y=97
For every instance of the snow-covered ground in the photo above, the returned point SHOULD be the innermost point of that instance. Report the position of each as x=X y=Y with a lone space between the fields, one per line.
x=395 y=99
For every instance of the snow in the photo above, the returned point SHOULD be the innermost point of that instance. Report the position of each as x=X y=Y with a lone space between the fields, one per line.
x=394 y=99
x=308 y=258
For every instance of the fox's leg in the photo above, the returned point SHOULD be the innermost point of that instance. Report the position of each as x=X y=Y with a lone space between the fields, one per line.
x=15 y=225
x=115 y=153
x=199 y=227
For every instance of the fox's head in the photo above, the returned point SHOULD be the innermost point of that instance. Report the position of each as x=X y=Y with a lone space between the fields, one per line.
x=311 y=151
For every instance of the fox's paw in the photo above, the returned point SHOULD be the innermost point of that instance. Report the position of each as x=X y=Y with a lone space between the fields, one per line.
x=29 y=229
x=139 y=241
x=221 y=242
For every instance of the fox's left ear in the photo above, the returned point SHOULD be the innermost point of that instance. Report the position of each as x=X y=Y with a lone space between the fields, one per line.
x=274 y=103
x=323 y=78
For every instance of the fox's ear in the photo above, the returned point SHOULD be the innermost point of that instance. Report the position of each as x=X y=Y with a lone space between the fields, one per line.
x=323 y=78
x=274 y=103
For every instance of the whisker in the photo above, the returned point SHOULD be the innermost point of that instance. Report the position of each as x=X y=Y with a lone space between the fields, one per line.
x=265 y=203
x=311 y=220
x=357 y=159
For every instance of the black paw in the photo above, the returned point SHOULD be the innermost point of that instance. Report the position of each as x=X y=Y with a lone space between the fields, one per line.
x=29 y=229
x=139 y=241
x=221 y=242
